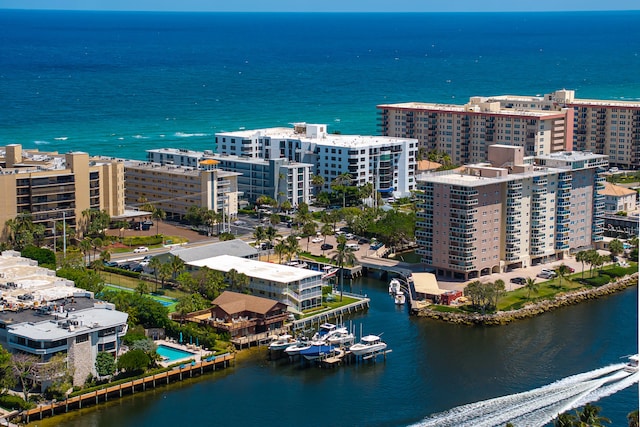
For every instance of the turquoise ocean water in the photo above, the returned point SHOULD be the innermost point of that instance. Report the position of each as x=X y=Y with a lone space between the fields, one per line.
x=119 y=83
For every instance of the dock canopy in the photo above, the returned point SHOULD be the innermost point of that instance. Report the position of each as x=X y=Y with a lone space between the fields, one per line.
x=426 y=286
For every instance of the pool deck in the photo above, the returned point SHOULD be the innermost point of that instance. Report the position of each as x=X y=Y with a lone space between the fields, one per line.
x=198 y=352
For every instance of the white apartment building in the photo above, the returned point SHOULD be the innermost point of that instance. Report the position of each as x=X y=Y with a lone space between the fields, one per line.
x=388 y=163
x=510 y=212
x=298 y=288
x=280 y=179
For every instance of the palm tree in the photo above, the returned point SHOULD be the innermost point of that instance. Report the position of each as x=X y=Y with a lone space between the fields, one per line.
x=280 y=249
x=565 y=420
x=498 y=290
x=159 y=215
x=259 y=234
x=85 y=248
x=309 y=228
x=318 y=182
x=177 y=265
x=292 y=245
x=582 y=258
x=164 y=273
x=344 y=256
x=562 y=271
x=237 y=280
x=590 y=416
x=615 y=248
x=632 y=417
x=531 y=286
x=155 y=264
x=97 y=244
x=342 y=181
x=270 y=235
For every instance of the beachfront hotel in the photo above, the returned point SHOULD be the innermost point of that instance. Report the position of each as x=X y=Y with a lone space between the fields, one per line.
x=174 y=189
x=278 y=178
x=298 y=288
x=610 y=127
x=56 y=187
x=44 y=315
x=389 y=163
x=512 y=211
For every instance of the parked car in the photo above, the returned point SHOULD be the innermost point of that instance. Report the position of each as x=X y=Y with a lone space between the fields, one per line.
x=545 y=275
x=317 y=240
x=518 y=280
x=548 y=271
x=349 y=236
x=110 y=264
x=140 y=249
x=326 y=247
x=138 y=268
x=239 y=222
x=363 y=240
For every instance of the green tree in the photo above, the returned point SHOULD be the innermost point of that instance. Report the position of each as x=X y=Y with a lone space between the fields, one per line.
x=134 y=362
x=270 y=235
x=195 y=215
x=105 y=364
x=280 y=249
x=259 y=235
x=581 y=257
x=237 y=280
x=164 y=273
x=25 y=367
x=45 y=257
x=142 y=288
x=292 y=246
x=340 y=183
x=531 y=286
x=177 y=265
x=309 y=229
x=562 y=271
x=565 y=420
x=590 y=416
x=317 y=181
x=344 y=256
x=7 y=380
x=158 y=215
x=632 y=417
x=155 y=264
x=615 y=248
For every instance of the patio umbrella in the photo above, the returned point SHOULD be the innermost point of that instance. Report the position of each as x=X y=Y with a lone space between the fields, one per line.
x=180 y=337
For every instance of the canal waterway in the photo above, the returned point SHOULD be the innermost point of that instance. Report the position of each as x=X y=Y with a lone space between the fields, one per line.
x=433 y=367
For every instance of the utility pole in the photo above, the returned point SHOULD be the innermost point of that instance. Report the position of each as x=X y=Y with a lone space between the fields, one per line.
x=64 y=234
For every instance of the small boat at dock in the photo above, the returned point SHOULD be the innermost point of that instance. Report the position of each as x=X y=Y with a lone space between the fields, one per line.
x=317 y=350
x=281 y=342
x=295 y=348
x=368 y=345
x=400 y=298
x=394 y=287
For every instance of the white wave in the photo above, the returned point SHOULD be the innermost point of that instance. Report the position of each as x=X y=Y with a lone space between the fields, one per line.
x=61 y=138
x=40 y=142
x=140 y=137
x=539 y=406
x=189 y=135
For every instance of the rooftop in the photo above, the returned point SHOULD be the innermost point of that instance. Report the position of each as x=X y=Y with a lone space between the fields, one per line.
x=471 y=109
x=175 y=170
x=235 y=248
x=616 y=190
x=257 y=269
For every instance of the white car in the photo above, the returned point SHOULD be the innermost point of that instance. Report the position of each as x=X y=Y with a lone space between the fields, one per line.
x=317 y=240
x=140 y=249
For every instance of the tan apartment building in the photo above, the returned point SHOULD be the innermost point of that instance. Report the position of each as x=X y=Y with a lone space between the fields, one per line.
x=174 y=189
x=465 y=132
x=610 y=127
x=57 y=187
x=513 y=211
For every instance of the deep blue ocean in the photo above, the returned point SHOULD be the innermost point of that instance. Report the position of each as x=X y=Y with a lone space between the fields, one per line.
x=120 y=83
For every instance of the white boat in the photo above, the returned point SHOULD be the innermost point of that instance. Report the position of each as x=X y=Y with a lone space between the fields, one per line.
x=340 y=337
x=369 y=344
x=324 y=331
x=295 y=348
x=632 y=366
x=281 y=342
x=394 y=286
x=317 y=350
x=400 y=298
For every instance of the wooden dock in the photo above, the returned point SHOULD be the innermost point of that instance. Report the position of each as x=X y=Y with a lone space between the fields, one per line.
x=178 y=373
x=308 y=322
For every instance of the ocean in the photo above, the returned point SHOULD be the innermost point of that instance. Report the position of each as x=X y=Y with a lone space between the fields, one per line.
x=117 y=84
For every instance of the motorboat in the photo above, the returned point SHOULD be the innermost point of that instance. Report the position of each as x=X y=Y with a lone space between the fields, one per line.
x=295 y=348
x=369 y=344
x=317 y=350
x=394 y=286
x=632 y=365
x=324 y=331
x=340 y=337
x=281 y=342
x=400 y=298
x=329 y=272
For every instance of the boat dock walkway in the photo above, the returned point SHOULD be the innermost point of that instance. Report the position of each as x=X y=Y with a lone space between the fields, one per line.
x=325 y=316
x=179 y=372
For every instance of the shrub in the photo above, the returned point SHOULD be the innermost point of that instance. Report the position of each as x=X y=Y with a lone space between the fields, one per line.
x=10 y=401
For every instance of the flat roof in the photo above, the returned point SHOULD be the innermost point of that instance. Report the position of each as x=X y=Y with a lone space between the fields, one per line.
x=257 y=269
x=100 y=316
x=426 y=283
x=337 y=140
x=174 y=169
x=469 y=109
x=235 y=247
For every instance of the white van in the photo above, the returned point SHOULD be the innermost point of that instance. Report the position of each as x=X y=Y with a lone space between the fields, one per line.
x=353 y=246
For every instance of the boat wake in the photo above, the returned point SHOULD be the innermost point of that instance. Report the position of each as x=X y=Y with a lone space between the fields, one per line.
x=539 y=406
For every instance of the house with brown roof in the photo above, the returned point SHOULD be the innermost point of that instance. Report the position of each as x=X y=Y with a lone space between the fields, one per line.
x=241 y=315
x=618 y=198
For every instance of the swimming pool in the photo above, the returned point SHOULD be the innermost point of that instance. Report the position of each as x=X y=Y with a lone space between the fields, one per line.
x=170 y=354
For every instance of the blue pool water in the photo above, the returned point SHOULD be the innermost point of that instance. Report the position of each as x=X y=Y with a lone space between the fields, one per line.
x=172 y=354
